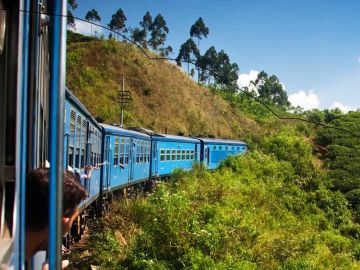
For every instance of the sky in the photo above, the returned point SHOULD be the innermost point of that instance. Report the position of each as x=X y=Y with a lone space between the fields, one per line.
x=312 y=46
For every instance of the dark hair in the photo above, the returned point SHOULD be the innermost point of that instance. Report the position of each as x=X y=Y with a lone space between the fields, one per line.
x=37 y=197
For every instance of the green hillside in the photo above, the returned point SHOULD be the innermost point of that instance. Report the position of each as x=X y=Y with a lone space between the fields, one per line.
x=290 y=203
x=164 y=98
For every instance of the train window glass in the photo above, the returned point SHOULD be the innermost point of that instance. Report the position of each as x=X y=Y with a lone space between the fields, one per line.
x=220 y=147
x=162 y=154
x=122 y=147
x=137 y=153
x=168 y=156
x=149 y=151
x=178 y=157
x=71 y=156
x=214 y=147
x=143 y=152
x=82 y=161
x=187 y=154
x=233 y=148
x=116 y=152
x=226 y=148
x=238 y=148
x=183 y=154
x=127 y=148
x=77 y=153
x=173 y=154
x=192 y=154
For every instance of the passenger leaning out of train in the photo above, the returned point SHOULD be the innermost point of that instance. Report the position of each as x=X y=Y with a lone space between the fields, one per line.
x=37 y=208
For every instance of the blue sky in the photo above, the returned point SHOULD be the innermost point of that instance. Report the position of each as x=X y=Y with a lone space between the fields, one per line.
x=312 y=46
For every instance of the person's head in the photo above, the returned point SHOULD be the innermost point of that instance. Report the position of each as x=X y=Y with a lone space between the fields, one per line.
x=37 y=200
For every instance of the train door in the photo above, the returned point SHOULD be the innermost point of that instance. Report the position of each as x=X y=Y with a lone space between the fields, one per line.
x=108 y=161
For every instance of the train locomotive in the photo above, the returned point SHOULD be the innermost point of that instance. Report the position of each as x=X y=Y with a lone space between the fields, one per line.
x=43 y=121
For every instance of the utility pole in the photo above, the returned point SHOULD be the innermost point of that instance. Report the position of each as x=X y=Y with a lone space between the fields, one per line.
x=125 y=98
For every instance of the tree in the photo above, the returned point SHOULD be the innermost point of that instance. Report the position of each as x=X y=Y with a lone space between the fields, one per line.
x=72 y=4
x=92 y=16
x=117 y=22
x=159 y=30
x=207 y=64
x=166 y=51
x=188 y=52
x=271 y=90
x=139 y=36
x=227 y=72
x=199 y=30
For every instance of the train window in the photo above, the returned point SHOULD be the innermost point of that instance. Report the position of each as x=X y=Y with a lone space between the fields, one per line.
x=168 y=155
x=91 y=158
x=116 y=152
x=192 y=154
x=127 y=148
x=173 y=154
x=149 y=151
x=220 y=147
x=214 y=147
x=187 y=154
x=183 y=154
x=71 y=156
x=77 y=153
x=137 y=152
x=162 y=154
x=226 y=148
x=82 y=160
x=122 y=147
x=238 y=148
x=178 y=155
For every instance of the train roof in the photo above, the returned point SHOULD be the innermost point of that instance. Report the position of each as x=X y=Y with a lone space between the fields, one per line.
x=80 y=106
x=221 y=141
x=124 y=132
x=174 y=138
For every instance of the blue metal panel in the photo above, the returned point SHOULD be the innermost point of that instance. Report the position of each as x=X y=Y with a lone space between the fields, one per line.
x=170 y=155
x=57 y=96
x=21 y=141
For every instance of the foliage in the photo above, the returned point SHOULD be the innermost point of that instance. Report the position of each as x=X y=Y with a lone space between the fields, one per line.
x=159 y=30
x=71 y=5
x=271 y=90
x=251 y=213
x=118 y=20
x=199 y=29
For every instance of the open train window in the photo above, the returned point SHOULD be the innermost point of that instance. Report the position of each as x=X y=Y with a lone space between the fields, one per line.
x=116 y=152
x=122 y=147
x=127 y=151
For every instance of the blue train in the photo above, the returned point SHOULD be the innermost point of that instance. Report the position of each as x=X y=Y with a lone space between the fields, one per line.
x=43 y=121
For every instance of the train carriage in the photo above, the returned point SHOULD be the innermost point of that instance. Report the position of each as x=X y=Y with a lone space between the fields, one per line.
x=127 y=157
x=82 y=145
x=213 y=151
x=171 y=152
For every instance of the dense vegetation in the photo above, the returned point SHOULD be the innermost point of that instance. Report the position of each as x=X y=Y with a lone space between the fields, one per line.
x=269 y=209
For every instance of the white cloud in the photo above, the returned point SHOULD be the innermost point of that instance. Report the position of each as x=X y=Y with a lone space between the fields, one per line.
x=245 y=78
x=85 y=28
x=305 y=100
x=342 y=107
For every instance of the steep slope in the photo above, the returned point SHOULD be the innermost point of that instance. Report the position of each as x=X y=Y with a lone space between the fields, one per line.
x=164 y=98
